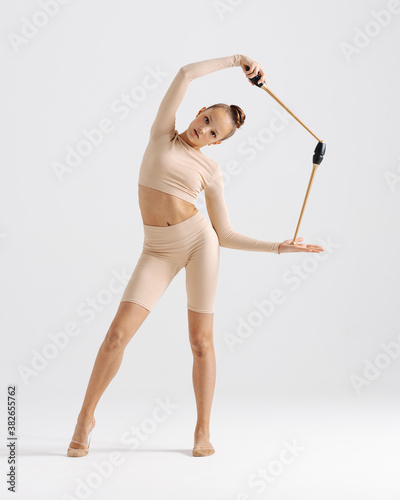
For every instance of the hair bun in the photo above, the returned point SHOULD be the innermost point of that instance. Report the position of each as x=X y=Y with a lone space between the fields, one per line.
x=239 y=115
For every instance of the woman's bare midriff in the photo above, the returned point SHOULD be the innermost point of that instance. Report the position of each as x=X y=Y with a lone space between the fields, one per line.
x=163 y=209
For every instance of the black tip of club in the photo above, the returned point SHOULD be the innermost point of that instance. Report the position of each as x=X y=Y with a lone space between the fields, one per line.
x=319 y=152
x=255 y=78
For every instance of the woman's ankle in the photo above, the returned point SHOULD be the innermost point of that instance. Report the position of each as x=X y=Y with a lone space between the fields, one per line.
x=201 y=431
x=85 y=418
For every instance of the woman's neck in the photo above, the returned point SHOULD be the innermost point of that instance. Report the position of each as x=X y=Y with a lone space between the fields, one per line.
x=184 y=137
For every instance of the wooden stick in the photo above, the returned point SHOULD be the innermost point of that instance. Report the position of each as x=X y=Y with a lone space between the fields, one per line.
x=264 y=87
x=315 y=166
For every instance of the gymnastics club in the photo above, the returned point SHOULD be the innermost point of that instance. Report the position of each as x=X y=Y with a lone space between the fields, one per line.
x=318 y=152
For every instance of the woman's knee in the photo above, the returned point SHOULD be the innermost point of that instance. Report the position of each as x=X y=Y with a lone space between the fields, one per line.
x=200 y=332
x=127 y=321
x=116 y=339
x=201 y=343
x=202 y=348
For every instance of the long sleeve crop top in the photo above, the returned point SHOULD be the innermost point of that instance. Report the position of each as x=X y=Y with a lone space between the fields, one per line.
x=171 y=165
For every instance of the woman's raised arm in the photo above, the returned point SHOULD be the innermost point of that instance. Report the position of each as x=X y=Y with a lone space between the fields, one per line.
x=164 y=122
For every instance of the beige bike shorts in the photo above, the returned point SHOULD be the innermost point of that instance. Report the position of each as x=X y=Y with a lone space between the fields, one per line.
x=192 y=244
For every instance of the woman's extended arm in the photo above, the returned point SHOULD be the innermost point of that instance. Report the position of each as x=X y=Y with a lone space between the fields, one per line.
x=164 y=122
x=219 y=217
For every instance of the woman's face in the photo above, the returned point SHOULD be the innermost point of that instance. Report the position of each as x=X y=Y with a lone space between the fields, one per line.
x=209 y=127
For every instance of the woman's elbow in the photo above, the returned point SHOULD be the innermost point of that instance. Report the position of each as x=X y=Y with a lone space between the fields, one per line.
x=223 y=242
x=186 y=72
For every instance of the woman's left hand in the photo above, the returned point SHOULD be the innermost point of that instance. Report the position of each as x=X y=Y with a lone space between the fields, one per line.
x=254 y=69
x=286 y=247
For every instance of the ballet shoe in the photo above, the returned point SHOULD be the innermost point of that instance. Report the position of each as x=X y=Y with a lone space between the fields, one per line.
x=203 y=449
x=80 y=452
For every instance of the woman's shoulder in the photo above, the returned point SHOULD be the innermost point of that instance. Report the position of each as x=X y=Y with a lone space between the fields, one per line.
x=163 y=138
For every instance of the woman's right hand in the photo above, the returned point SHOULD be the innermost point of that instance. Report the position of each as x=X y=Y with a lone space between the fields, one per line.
x=254 y=69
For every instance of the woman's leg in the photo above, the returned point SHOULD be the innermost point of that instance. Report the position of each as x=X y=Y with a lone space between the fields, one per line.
x=125 y=324
x=201 y=287
x=204 y=370
x=161 y=259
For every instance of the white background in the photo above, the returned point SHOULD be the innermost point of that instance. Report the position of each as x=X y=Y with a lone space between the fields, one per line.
x=63 y=240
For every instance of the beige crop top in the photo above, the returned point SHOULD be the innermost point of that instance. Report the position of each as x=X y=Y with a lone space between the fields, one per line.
x=171 y=165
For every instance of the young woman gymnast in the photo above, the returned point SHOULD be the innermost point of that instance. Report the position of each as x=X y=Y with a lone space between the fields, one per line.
x=173 y=172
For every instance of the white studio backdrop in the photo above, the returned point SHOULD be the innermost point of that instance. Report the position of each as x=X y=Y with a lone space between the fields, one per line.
x=292 y=326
